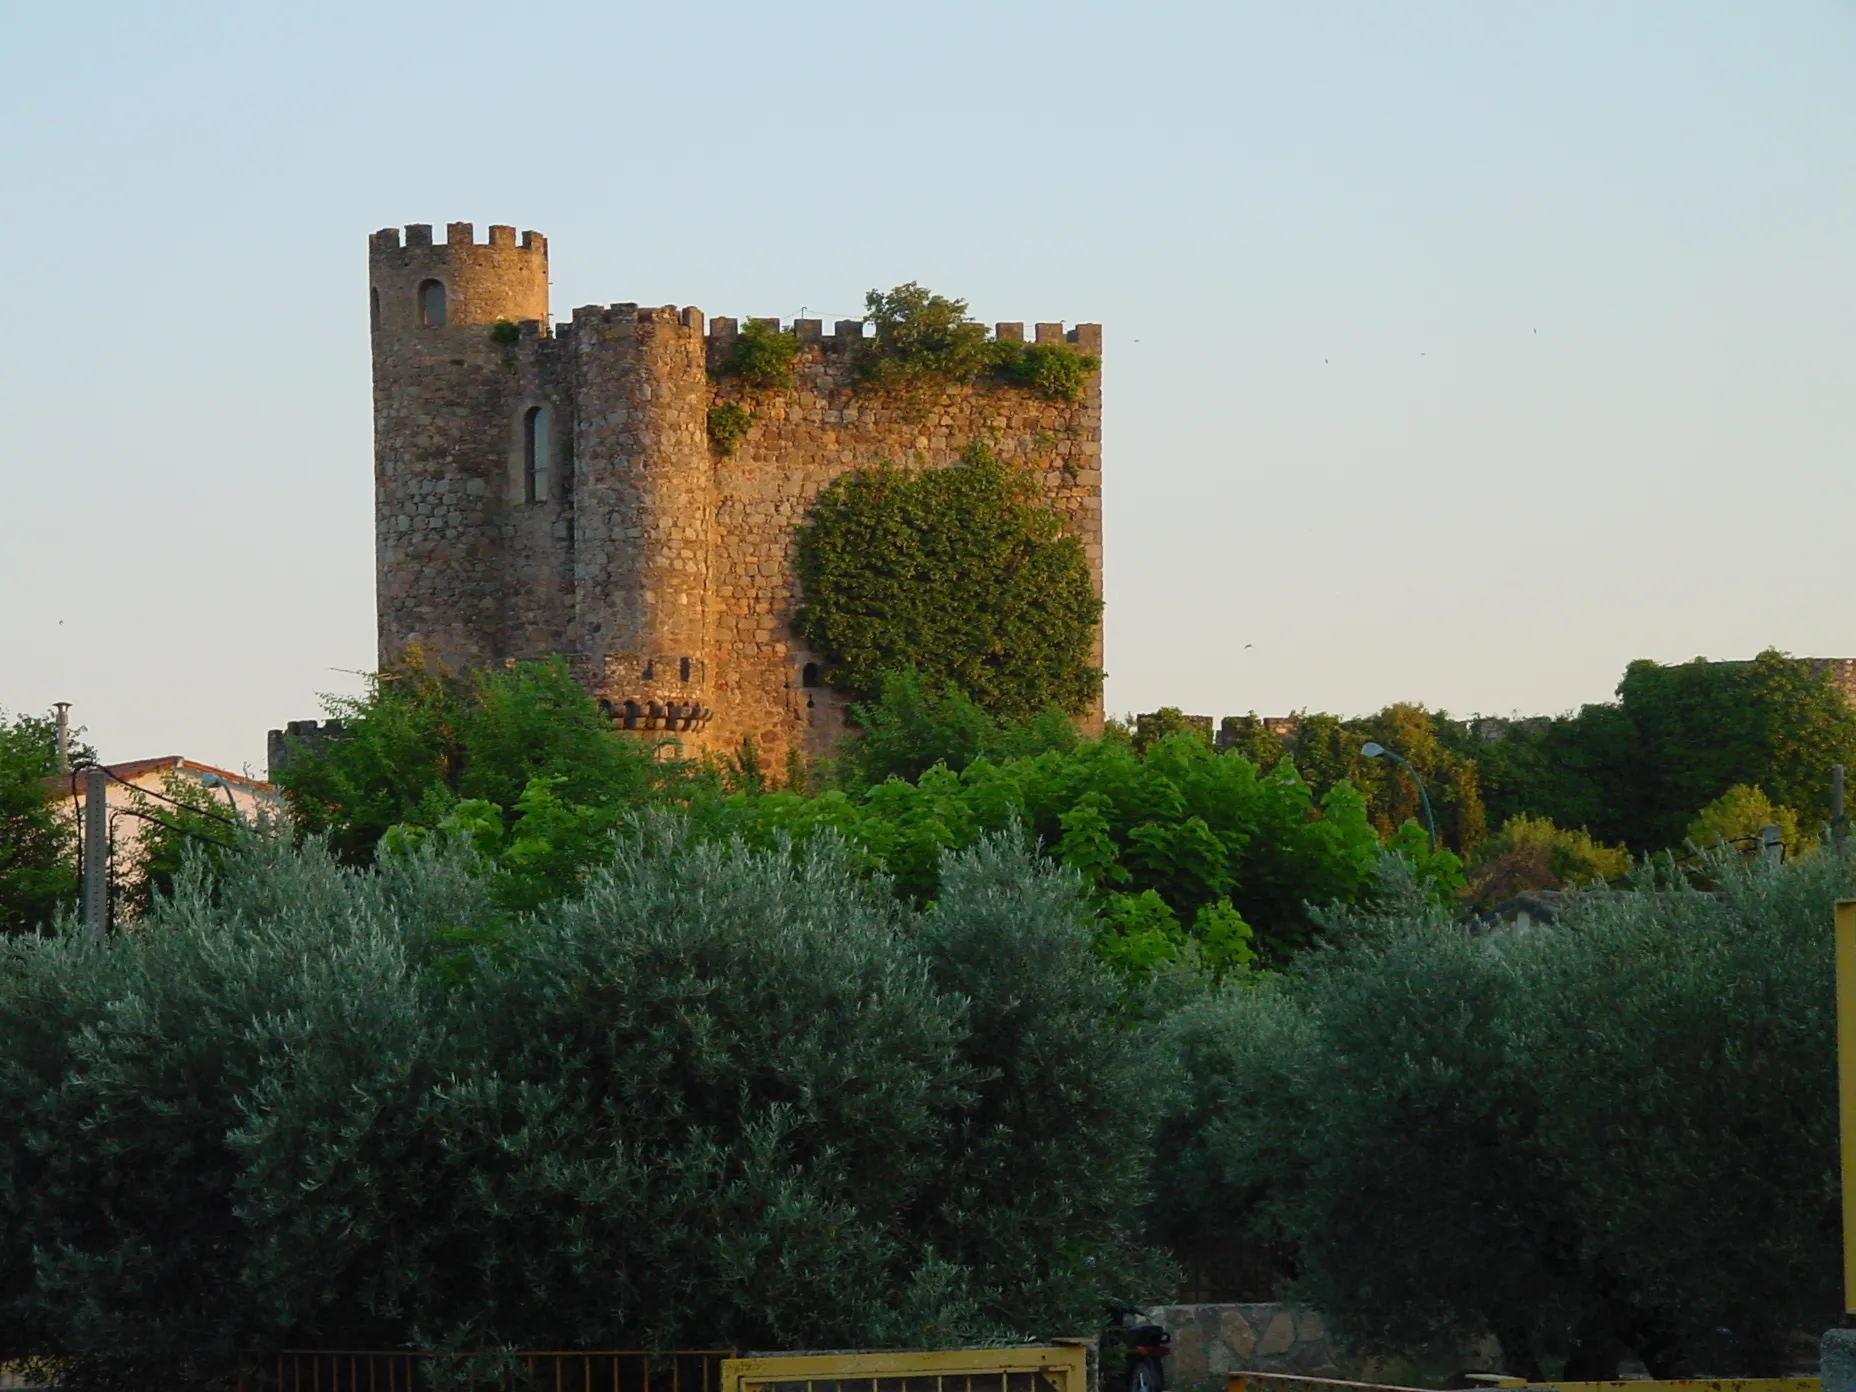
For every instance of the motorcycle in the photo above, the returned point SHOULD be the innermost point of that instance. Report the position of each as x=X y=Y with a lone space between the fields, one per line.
x=1133 y=1348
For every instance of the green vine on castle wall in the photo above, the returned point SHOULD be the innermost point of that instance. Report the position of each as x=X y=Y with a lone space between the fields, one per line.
x=728 y=426
x=761 y=359
x=961 y=573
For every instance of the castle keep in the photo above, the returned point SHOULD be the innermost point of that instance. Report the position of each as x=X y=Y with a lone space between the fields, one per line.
x=553 y=489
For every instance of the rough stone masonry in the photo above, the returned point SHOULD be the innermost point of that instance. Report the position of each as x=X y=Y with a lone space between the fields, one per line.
x=553 y=489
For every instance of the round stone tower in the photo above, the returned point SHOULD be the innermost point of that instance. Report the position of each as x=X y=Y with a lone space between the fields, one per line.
x=645 y=506
x=444 y=399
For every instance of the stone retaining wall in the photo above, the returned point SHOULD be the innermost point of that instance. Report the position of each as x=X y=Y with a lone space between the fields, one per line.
x=1212 y=1340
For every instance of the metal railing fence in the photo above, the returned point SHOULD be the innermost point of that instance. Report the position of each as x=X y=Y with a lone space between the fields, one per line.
x=383 y=1370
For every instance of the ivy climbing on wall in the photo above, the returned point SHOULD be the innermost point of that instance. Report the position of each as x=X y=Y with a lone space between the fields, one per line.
x=961 y=573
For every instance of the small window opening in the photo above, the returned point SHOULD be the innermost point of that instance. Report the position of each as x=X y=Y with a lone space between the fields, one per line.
x=650 y=671
x=373 y=306
x=683 y=669
x=432 y=304
x=809 y=676
x=535 y=454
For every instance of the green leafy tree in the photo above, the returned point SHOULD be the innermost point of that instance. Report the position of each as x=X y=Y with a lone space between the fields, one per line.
x=422 y=739
x=763 y=356
x=1697 y=1120
x=1738 y=815
x=959 y=573
x=1532 y=853
x=186 y=821
x=1179 y=828
x=1153 y=726
x=1326 y=749
x=922 y=340
x=38 y=855
x=1678 y=737
x=1428 y=1116
x=1247 y=735
x=721 y=1097
x=927 y=342
x=907 y=730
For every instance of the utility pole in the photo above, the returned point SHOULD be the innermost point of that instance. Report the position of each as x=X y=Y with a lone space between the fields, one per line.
x=96 y=851
x=1839 y=824
x=1771 y=848
x=1837 y=1351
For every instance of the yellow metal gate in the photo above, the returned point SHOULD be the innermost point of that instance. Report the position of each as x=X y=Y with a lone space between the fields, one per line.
x=1026 y=1368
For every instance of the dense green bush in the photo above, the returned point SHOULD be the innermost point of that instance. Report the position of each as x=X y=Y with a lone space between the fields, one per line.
x=1612 y=1134
x=728 y=426
x=763 y=356
x=959 y=573
x=38 y=854
x=1532 y=853
x=1191 y=856
x=1183 y=849
x=1055 y=371
x=422 y=739
x=922 y=340
x=926 y=341
x=724 y=1097
x=1737 y=816
x=1636 y=771
x=1632 y=772
x=909 y=729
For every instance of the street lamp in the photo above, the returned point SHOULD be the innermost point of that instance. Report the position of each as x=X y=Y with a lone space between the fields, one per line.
x=1372 y=749
x=213 y=780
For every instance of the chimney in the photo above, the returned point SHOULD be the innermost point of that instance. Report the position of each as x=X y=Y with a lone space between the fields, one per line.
x=64 y=736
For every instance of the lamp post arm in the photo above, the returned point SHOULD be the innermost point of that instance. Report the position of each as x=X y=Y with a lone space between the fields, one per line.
x=1424 y=798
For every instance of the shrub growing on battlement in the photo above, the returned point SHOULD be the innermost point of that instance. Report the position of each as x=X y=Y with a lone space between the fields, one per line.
x=925 y=340
x=763 y=356
x=921 y=339
x=1055 y=371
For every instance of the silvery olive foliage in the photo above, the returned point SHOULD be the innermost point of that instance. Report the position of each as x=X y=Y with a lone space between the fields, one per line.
x=1606 y=1136
x=723 y=1097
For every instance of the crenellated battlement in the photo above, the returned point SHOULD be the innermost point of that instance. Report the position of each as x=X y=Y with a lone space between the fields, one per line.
x=644 y=317
x=848 y=333
x=458 y=235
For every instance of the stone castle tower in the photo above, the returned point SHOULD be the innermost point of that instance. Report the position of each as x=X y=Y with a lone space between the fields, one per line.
x=554 y=490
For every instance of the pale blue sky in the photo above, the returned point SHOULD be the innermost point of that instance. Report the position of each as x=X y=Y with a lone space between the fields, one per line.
x=1456 y=353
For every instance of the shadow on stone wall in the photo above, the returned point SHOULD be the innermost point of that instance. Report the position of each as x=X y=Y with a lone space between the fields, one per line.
x=1210 y=1341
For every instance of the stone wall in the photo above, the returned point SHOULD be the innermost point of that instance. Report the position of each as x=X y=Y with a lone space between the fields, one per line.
x=1210 y=1341
x=663 y=571
x=822 y=427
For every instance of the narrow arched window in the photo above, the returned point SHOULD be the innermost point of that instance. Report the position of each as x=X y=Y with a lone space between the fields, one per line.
x=432 y=304
x=683 y=669
x=535 y=454
x=373 y=306
x=808 y=676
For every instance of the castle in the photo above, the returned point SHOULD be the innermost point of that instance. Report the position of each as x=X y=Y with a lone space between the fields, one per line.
x=554 y=490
